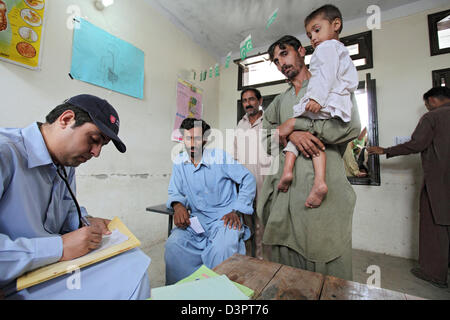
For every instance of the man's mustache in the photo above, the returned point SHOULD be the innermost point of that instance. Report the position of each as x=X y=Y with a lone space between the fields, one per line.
x=285 y=67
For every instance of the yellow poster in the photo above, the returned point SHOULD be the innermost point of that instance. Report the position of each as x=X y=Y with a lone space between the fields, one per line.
x=21 y=30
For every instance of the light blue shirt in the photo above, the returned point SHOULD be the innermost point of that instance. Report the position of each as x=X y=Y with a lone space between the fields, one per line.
x=210 y=192
x=209 y=189
x=35 y=209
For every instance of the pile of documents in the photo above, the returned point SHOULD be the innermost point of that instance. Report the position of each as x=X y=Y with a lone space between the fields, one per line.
x=203 y=284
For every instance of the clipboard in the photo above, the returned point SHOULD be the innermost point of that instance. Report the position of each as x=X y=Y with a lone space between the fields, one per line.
x=61 y=268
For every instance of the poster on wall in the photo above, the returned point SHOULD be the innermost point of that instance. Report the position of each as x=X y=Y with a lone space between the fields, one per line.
x=189 y=105
x=21 y=31
x=104 y=60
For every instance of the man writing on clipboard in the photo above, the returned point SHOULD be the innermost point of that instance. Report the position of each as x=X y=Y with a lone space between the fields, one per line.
x=40 y=220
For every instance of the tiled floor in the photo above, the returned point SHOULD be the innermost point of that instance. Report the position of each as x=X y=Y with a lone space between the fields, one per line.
x=395 y=274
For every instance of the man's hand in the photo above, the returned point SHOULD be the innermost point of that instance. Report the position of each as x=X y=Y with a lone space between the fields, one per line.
x=284 y=130
x=181 y=216
x=376 y=150
x=79 y=242
x=232 y=220
x=313 y=106
x=361 y=174
x=308 y=144
x=102 y=224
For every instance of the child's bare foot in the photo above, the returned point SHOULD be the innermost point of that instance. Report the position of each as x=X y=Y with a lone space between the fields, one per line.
x=285 y=181
x=315 y=197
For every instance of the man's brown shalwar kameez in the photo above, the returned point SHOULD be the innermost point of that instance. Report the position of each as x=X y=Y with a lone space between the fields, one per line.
x=432 y=138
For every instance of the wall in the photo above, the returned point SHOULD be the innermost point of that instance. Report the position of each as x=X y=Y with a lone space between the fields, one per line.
x=116 y=184
x=386 y=217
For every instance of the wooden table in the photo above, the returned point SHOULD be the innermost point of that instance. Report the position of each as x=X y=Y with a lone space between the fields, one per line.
x=273 y=281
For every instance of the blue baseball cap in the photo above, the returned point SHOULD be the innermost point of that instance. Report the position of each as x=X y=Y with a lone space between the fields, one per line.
x=102 y=114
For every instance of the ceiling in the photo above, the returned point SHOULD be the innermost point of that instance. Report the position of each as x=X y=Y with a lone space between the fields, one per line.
x=219 y=26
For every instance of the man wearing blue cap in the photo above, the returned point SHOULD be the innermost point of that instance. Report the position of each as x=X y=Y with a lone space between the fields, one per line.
x=40 y=220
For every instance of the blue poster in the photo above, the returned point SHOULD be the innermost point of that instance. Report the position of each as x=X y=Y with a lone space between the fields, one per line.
x=102 y=59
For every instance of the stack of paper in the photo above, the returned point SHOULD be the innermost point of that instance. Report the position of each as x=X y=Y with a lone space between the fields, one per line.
x=203 y=284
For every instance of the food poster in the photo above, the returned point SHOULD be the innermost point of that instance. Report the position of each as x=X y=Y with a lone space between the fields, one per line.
x=21 y=30
x=189 y=105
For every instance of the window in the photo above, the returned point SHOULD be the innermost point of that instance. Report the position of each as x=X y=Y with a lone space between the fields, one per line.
x=441 y=78
x=258 y=71
x=439 y=32
x=367 y=107
x=359 y=47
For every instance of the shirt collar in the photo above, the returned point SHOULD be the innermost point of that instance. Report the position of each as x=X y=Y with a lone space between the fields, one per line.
x=204 y=161
x=208 y=158
x=35 y=147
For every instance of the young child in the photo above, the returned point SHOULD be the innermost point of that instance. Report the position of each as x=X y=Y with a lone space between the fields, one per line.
x=334 y=78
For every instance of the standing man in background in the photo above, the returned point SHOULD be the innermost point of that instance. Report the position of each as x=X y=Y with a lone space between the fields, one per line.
x=432 y=139
x=250 y=152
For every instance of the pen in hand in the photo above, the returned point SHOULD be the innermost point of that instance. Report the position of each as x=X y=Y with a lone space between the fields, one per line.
x=85 y=221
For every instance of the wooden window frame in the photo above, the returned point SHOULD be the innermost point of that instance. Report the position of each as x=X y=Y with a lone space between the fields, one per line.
x=433 y=19
x=437 y=75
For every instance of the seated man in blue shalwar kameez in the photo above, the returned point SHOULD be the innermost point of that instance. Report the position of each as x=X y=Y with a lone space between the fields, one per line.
x=204 y=181
x=40 y=221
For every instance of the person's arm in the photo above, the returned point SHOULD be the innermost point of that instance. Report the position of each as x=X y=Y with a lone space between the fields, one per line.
x=271 y=121
x=22 y=255
x=246 y=181
x=177 y=199
x=247 y=191
x=332 y=131
x=309 y=136
x=420 y=140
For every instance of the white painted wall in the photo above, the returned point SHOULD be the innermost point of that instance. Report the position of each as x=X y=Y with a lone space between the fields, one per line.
x=116 y=184
x=386 y=217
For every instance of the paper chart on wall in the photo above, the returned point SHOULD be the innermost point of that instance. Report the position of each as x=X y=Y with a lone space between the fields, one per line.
x=189 y=105
x=21 y=30
x=104 y=60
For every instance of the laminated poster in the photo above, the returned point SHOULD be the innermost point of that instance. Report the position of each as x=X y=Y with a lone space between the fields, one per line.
x=189 y=105
x=101 y=59
x=21 y=31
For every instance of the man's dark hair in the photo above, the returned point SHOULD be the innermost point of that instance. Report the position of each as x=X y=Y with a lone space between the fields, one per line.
x=255 y=91
x=328 y=12
x=190 y=123
x=286 y=40
x=437 y=92
x=81 y=116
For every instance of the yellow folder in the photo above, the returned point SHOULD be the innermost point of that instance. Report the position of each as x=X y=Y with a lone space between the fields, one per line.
x=60 y=268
